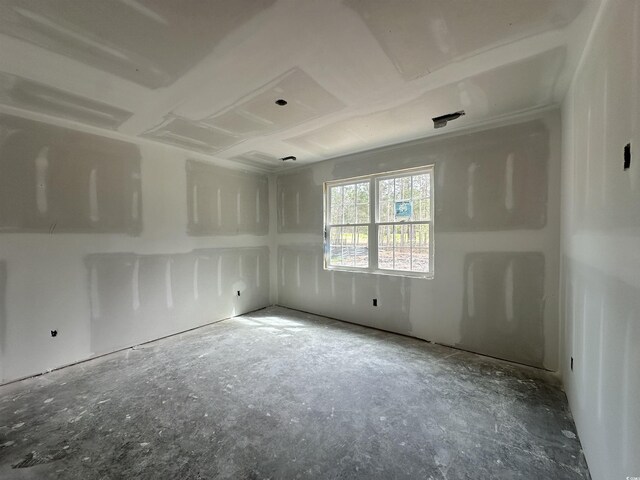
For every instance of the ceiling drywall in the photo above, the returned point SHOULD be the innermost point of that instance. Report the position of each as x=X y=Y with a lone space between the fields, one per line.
x=357 y=74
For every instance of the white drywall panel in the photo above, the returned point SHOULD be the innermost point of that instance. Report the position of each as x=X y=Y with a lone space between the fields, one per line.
x=600 y=240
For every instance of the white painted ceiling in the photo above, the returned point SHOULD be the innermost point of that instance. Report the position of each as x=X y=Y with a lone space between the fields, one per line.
x=357 y=74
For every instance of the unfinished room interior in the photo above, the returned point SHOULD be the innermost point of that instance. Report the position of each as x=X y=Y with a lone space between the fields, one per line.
x=320 y=239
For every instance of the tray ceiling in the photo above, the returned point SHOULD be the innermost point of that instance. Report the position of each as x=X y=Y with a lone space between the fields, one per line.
x=356 y=74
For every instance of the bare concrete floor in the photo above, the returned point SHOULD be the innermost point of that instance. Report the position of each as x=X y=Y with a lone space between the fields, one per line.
x=279 y=394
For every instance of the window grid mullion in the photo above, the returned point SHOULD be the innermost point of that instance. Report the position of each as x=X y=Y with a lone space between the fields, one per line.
x=393 y=247
x=420 y=222
x=355 y=201
x=341 y=243
x=342 y=203
x=411 y=193
x=393 y=229
x=353 y=244
x=350 y=224
x=411 y=247
x=373 y=230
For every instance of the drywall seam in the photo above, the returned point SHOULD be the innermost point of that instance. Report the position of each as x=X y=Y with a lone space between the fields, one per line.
x=588 y=46
x=73 y=125
x=273 y=240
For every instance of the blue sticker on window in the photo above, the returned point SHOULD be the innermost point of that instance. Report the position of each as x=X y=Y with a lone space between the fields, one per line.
x=404 y=209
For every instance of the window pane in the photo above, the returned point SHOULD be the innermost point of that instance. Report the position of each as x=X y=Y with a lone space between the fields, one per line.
x=421 y=187
x=362 y=213
x=336 y=195
x=386 y=213
x=414 y=190
x=335 y=216
x=390 y=192
x=402 y=249
x=349 y=203
x=385 y=189
x=362 y=203
x=385 y=247
x=422 y=210
x=403 y=188
x=394 y=247
x=420 y=260
x=385 y=200
x=335 y=246
x=362 y=247
x=420 y=248
x=348 y=246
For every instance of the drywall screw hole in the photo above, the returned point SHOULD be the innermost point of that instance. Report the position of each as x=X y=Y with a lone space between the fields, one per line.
x=54 y=333
x=281 y=102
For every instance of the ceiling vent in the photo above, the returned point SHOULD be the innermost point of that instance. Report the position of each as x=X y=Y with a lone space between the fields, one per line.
x=441 y=121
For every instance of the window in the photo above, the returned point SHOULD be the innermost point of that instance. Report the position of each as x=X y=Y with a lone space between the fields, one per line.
x=381 y=223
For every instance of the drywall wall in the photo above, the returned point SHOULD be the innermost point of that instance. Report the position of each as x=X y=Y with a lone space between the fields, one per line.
x=600 y=244
x=133 y=294
x=101 y=241
x=496 y=243
x=226 y=201
x=54 y=179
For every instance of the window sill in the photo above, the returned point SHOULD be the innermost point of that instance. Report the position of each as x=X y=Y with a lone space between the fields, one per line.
x=390 y=273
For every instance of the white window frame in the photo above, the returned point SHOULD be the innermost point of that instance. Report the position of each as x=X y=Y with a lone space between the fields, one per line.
x=374 y=223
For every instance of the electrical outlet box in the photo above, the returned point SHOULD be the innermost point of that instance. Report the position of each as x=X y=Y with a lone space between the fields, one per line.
x=627 y=156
